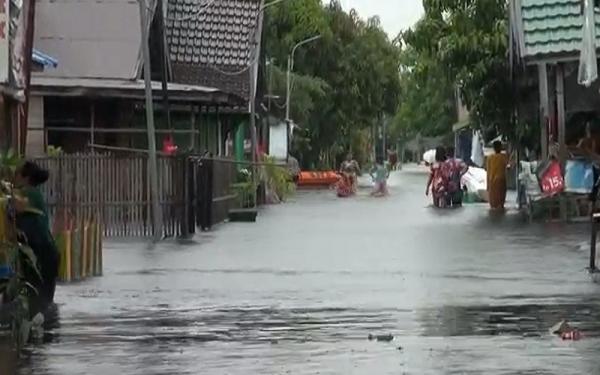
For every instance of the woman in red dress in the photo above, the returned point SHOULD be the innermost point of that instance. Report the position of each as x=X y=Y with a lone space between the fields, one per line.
x=438 y=179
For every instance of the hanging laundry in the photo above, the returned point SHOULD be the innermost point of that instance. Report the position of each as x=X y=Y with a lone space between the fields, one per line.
x=477 y=156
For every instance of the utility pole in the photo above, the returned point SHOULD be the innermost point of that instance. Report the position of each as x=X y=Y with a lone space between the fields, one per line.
x=152 y=162
x=384 y=135
x=290 y=67
x=23 y=117
x=164 y=59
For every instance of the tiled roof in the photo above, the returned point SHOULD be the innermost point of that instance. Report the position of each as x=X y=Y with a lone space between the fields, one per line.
x=552 y=27
x=211 y=42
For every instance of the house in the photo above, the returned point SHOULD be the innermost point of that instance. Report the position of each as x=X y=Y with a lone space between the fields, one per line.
x=95 y=96
x=218 y=44
x=546 y=41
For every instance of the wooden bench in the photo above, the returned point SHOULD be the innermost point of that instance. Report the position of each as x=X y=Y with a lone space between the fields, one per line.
x=577 y=207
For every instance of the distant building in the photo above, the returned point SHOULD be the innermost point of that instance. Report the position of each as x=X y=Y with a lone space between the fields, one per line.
x=96 y=93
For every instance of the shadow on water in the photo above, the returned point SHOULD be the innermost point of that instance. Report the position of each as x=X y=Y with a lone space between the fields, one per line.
x=8 y=355
x=528 y=320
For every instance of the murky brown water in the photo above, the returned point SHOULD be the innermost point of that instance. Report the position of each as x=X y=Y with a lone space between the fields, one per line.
x=463 y=292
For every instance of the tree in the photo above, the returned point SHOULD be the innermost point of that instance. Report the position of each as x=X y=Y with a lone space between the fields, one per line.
x=427 y=100
x=344 y=82
x=468 y=38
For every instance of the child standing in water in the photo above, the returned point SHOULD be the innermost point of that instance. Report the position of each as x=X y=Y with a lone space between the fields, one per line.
x=380 y=174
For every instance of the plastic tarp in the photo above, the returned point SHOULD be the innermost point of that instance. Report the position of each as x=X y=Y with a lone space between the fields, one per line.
x=579 y=177
x=475 y=180
x=588 y=66
x=477 y=156
x=429 y=157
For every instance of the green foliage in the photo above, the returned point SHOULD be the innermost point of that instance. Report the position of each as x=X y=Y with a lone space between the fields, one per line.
x=278 y=179
x=344 y=82
x=18 y=289
x=309 y=93
x=468 y=39
x=427 y=103
x=9 y=163
x=245 y=192
x=54 y=151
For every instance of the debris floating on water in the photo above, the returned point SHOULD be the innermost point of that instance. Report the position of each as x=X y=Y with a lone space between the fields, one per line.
x=565 y=331
x=382 y=338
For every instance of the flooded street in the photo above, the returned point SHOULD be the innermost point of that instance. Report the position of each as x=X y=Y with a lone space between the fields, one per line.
x=299 y=292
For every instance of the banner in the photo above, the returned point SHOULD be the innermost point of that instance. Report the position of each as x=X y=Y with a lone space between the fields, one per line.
x=278 y=141
x=4 y=37
x=552 y=180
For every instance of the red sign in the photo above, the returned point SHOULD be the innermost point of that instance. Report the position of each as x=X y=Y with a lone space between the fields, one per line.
x=553 y=181
x=169 y=147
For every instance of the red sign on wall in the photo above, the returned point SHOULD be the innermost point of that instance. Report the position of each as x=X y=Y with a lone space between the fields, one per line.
x=169 y=147
x=552 y=180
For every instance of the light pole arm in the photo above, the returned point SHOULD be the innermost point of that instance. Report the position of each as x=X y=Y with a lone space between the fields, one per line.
x=309 y=40
x=290 y=67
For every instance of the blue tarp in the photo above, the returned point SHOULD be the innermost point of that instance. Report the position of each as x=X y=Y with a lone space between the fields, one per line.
x=43 y=59
x=579 y=177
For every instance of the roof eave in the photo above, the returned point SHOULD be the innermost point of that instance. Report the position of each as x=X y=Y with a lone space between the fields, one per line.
x=551 y=58
x=138 y=93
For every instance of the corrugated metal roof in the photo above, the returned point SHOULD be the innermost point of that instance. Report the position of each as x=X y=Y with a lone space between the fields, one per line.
x=552 y=27
x=90 y=38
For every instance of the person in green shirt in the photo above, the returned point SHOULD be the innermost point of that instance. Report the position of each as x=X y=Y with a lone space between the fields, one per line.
x=33 y=222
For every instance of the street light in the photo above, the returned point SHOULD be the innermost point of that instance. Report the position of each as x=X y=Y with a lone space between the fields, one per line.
x=289 y=74
x=253 y=77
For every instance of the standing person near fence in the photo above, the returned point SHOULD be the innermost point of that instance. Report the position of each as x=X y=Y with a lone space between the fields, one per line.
x=33 y=222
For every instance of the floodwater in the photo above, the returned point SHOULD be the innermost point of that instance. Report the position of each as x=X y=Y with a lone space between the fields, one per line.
x=462 y=292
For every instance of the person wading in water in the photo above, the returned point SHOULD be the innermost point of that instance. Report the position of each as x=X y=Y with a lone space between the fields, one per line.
x=438 y=179
x=33 y=222
x=497 y=164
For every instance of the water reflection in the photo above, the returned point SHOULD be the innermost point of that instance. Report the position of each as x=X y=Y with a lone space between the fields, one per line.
x=527 y=320
x=299 y=292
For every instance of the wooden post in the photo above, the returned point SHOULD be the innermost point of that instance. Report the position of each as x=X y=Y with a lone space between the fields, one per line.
x=92 y=123
x=193 y=129
x=544 y=108
x=560 y=111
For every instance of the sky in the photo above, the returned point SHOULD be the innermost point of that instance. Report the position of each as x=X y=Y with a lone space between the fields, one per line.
x=395 y=15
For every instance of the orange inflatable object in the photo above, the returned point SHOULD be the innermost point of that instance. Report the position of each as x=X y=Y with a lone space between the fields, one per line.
x=318 y=179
